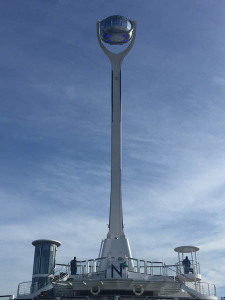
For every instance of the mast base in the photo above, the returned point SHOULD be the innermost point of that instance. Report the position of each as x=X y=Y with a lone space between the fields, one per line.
x=116 y=248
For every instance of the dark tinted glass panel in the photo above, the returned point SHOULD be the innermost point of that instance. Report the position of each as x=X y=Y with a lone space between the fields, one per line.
x=44 y=258
x=108 y=23
x=37 y=254
x=116 y=21
x=51 y=259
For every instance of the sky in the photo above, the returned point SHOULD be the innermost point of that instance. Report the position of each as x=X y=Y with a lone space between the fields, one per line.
x=55 y=113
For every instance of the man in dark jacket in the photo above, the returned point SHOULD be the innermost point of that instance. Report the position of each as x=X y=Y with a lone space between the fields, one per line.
x=187 y=265
x=73 y=266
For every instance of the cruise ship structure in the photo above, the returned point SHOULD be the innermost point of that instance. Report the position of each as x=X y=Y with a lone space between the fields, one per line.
x=115 y=274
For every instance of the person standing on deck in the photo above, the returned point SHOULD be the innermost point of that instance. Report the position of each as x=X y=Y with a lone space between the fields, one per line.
x=73 y=266
x=187 y=265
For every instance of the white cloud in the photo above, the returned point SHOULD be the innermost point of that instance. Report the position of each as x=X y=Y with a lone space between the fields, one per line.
x=55 y=121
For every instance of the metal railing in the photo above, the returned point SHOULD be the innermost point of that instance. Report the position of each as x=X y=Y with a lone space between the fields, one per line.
x=24 y=288
x=203 y=288
x=146 y=267
x=98 y=265
x=27 y=288
x=194 y=266
x=134 y=265
x=61 y=271
x=179 y=270
x=89 y=266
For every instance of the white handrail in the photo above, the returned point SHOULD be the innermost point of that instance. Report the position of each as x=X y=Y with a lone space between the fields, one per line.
x=204 y=288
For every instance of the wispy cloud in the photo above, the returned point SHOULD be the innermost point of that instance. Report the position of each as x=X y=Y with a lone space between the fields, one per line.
x=55 y=133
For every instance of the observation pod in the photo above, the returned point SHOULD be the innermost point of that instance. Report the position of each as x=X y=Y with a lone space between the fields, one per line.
x=116 y=30
x=187 y=263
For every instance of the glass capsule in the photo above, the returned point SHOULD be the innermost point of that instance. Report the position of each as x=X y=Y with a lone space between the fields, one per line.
x=116 y=30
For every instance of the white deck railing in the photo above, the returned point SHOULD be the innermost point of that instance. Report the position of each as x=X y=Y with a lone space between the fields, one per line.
x=28 y=287
x=146 y=267
x=134 y=265
x=93 y=266
x=203 y=288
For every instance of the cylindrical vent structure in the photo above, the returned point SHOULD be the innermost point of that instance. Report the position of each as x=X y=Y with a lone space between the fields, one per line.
x=44 y=261
x=44 y=256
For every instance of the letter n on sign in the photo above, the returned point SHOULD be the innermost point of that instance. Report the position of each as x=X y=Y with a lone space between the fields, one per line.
x=113 y=268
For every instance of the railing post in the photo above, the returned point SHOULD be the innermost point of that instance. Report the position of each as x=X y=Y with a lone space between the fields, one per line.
x=94 y=265
x=138 y=265
x=18 y=289
x=177 y=266
x=87 y=266
x=165 y=270
x=129 y=264
x=145 y=267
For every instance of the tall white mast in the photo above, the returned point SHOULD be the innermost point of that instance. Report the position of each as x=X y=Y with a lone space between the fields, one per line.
x=116 y=243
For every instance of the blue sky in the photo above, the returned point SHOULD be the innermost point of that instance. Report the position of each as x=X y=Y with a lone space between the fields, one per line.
x=55 y=132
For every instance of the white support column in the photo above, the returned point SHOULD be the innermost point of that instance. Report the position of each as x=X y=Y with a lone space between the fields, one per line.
x=116 y=215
